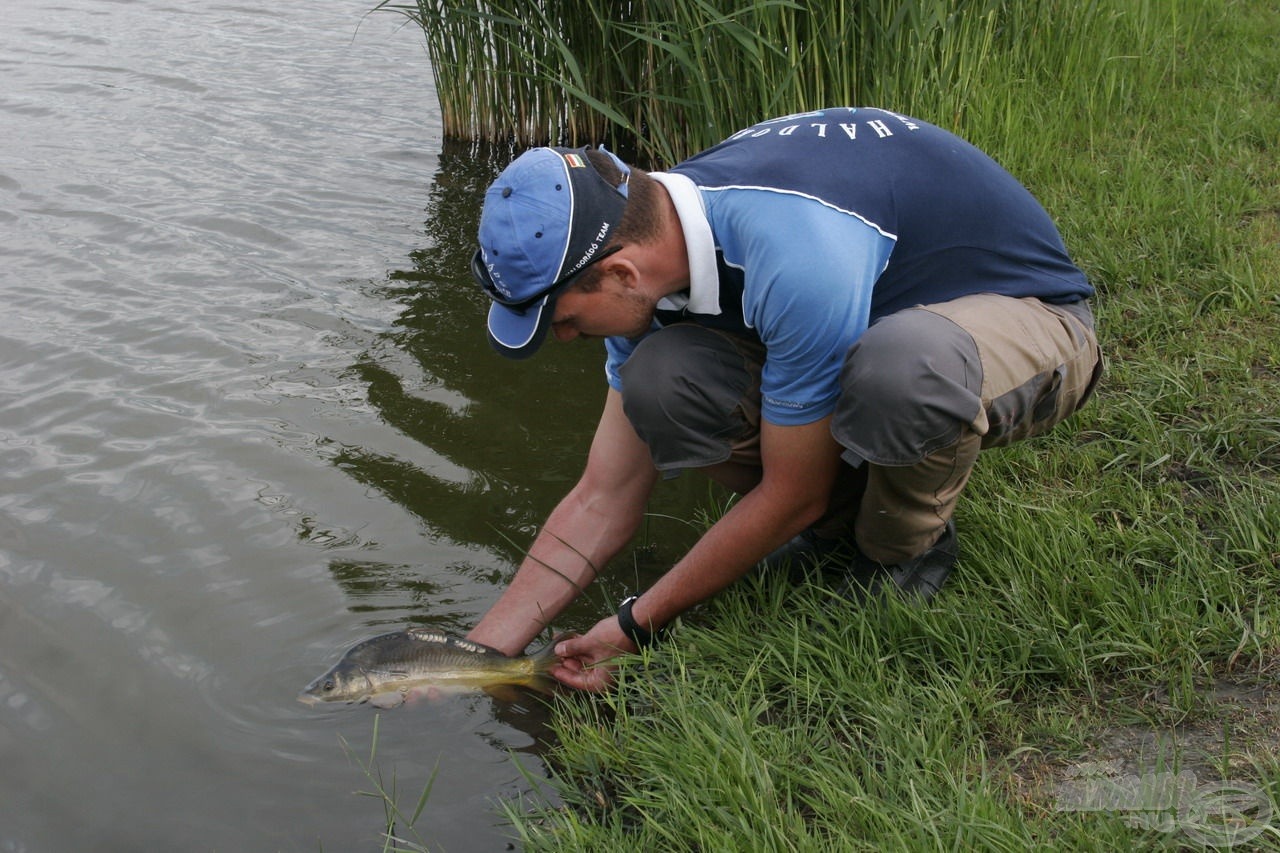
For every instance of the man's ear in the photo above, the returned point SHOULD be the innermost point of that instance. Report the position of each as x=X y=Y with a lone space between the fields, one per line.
x=622 y=270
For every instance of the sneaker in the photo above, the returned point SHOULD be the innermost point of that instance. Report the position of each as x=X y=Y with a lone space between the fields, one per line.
x=921 y=576
x=808 y=549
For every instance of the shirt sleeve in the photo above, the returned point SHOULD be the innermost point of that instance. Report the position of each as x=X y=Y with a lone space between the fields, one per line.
x=810 y=269
x=617 y=351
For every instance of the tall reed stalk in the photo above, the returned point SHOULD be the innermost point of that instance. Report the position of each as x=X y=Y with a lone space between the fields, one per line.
x=663 y=79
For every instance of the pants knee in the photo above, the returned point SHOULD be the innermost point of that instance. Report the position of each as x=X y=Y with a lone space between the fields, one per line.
x=908 y=388
x=686 y=392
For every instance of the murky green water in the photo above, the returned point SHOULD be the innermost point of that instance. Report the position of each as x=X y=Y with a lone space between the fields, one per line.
x=248 y=417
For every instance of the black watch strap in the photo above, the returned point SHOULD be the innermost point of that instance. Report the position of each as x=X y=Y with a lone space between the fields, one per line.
x=642 y=637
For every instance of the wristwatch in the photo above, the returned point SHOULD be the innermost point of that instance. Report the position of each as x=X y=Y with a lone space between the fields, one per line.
x=642 y=637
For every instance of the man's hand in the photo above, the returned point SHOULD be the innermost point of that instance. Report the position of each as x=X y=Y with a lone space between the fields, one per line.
x=582 y=663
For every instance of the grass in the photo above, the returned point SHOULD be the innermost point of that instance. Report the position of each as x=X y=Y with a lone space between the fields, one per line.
x=1114 y=606
x=386 y=792
x=1115 y=602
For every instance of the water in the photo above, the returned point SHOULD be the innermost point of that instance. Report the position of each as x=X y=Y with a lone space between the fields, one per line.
x=248 y=418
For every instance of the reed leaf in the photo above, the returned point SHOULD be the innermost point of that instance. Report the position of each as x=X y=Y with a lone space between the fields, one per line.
x=662 y=80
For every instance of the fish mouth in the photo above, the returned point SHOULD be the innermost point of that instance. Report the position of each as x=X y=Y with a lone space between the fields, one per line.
x=307 y=699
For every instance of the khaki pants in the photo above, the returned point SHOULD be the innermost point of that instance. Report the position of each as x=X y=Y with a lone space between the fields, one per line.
x=923 y=391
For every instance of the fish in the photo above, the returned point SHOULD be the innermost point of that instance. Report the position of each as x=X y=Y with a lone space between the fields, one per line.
x=390 y=668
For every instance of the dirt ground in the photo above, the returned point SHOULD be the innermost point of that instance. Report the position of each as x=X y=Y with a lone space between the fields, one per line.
x=1205 y=776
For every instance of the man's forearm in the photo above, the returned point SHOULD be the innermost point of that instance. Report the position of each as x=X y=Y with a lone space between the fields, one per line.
x=725 y=553
x=584 y=532
x=800 y=467
x=751 y=529
x=580 y=537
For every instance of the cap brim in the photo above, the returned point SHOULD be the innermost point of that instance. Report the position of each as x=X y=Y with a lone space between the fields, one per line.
x=519 y=334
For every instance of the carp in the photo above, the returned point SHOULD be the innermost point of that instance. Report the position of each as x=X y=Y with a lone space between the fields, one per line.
x=387 y=669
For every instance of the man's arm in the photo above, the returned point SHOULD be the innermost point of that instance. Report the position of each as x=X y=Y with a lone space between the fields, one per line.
x=586 y=530
x=800 y=465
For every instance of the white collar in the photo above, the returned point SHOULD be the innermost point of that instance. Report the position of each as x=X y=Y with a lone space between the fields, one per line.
x=704 y=279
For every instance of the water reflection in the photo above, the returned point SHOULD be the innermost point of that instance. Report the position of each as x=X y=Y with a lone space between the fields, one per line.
x=501 y=440
x=375 y=586
x=218 y=428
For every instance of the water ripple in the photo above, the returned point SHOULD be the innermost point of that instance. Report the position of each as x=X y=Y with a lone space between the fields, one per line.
x=199 y=206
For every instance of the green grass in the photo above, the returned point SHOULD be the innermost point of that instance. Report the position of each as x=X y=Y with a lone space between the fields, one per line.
x=1117 y=576
x=1115 y=602
x=386 y=792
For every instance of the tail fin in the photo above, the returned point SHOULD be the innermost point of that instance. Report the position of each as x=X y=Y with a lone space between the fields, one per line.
x=544 y=660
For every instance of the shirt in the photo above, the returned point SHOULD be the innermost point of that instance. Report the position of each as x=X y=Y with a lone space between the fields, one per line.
x=820 y=223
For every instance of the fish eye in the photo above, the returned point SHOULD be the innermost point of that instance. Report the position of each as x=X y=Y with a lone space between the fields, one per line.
x=328 y=685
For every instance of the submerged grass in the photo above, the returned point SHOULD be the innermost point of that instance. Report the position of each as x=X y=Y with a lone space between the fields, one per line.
x=386 y=792
x=1115 y=602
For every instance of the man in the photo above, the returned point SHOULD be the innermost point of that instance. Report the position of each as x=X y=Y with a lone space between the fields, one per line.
x=830 y=313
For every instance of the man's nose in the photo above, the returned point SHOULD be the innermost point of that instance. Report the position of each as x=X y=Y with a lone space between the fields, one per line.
x=564 y=331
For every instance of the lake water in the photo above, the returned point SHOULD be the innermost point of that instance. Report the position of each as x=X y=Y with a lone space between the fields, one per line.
x=249 y=418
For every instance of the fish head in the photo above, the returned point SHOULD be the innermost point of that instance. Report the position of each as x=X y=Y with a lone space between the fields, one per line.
x=343 y=683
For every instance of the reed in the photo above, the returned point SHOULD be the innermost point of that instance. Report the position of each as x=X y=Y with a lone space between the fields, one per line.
x=663 y=79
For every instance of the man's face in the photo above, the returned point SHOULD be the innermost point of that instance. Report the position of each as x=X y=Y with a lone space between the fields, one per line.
x=610 y=310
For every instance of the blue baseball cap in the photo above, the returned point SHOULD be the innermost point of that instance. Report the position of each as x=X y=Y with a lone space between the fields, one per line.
x=546 y=218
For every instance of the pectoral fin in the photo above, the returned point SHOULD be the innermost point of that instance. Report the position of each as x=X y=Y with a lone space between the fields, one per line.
x=389 y=699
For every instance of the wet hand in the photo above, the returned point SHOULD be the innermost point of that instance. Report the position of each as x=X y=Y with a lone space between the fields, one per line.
x=582 y=659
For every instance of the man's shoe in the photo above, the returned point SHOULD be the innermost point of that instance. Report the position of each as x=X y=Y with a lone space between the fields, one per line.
x=809 y=549
x=921 y=576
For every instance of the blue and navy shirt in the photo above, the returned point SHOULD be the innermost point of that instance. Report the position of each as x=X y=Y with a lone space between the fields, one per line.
x=823 y=222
